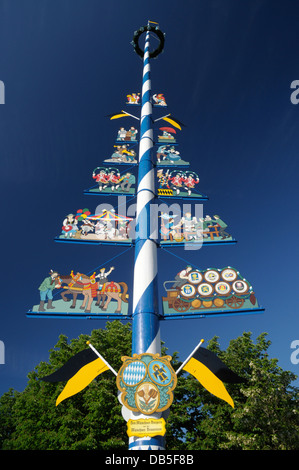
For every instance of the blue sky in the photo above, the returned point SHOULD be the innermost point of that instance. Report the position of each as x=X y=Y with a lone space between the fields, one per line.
x=226 y=72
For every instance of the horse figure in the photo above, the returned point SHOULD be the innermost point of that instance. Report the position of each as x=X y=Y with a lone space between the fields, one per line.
x=113 y=290
x=79 y=284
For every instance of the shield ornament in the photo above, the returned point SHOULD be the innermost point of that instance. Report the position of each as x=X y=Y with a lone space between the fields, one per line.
x=146 y=382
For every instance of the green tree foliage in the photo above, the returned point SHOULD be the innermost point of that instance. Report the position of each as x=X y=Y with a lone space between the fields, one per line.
x=265 y=414
x=91 y=419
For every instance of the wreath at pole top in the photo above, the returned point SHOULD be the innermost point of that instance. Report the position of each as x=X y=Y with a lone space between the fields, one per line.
x=153 y=29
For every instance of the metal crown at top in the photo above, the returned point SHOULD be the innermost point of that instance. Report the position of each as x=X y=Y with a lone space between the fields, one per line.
x=153 y=29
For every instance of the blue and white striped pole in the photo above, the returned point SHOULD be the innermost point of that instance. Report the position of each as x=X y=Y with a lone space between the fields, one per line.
x=146 y=328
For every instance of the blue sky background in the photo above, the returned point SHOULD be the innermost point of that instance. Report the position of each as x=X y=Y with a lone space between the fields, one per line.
x=226 y=72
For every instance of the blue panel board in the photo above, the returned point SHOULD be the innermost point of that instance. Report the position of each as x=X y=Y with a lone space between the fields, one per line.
x=215 y=313
x=77 y=316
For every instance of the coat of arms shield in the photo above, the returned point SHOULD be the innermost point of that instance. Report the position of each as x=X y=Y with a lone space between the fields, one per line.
x=146 y=382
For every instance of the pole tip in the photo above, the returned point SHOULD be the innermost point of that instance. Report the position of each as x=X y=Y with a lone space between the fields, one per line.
x=87 y=342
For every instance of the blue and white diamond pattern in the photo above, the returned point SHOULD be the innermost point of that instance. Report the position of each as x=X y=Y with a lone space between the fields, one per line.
x=134 y=373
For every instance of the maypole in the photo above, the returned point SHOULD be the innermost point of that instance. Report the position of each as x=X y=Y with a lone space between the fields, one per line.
x=146 y=327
